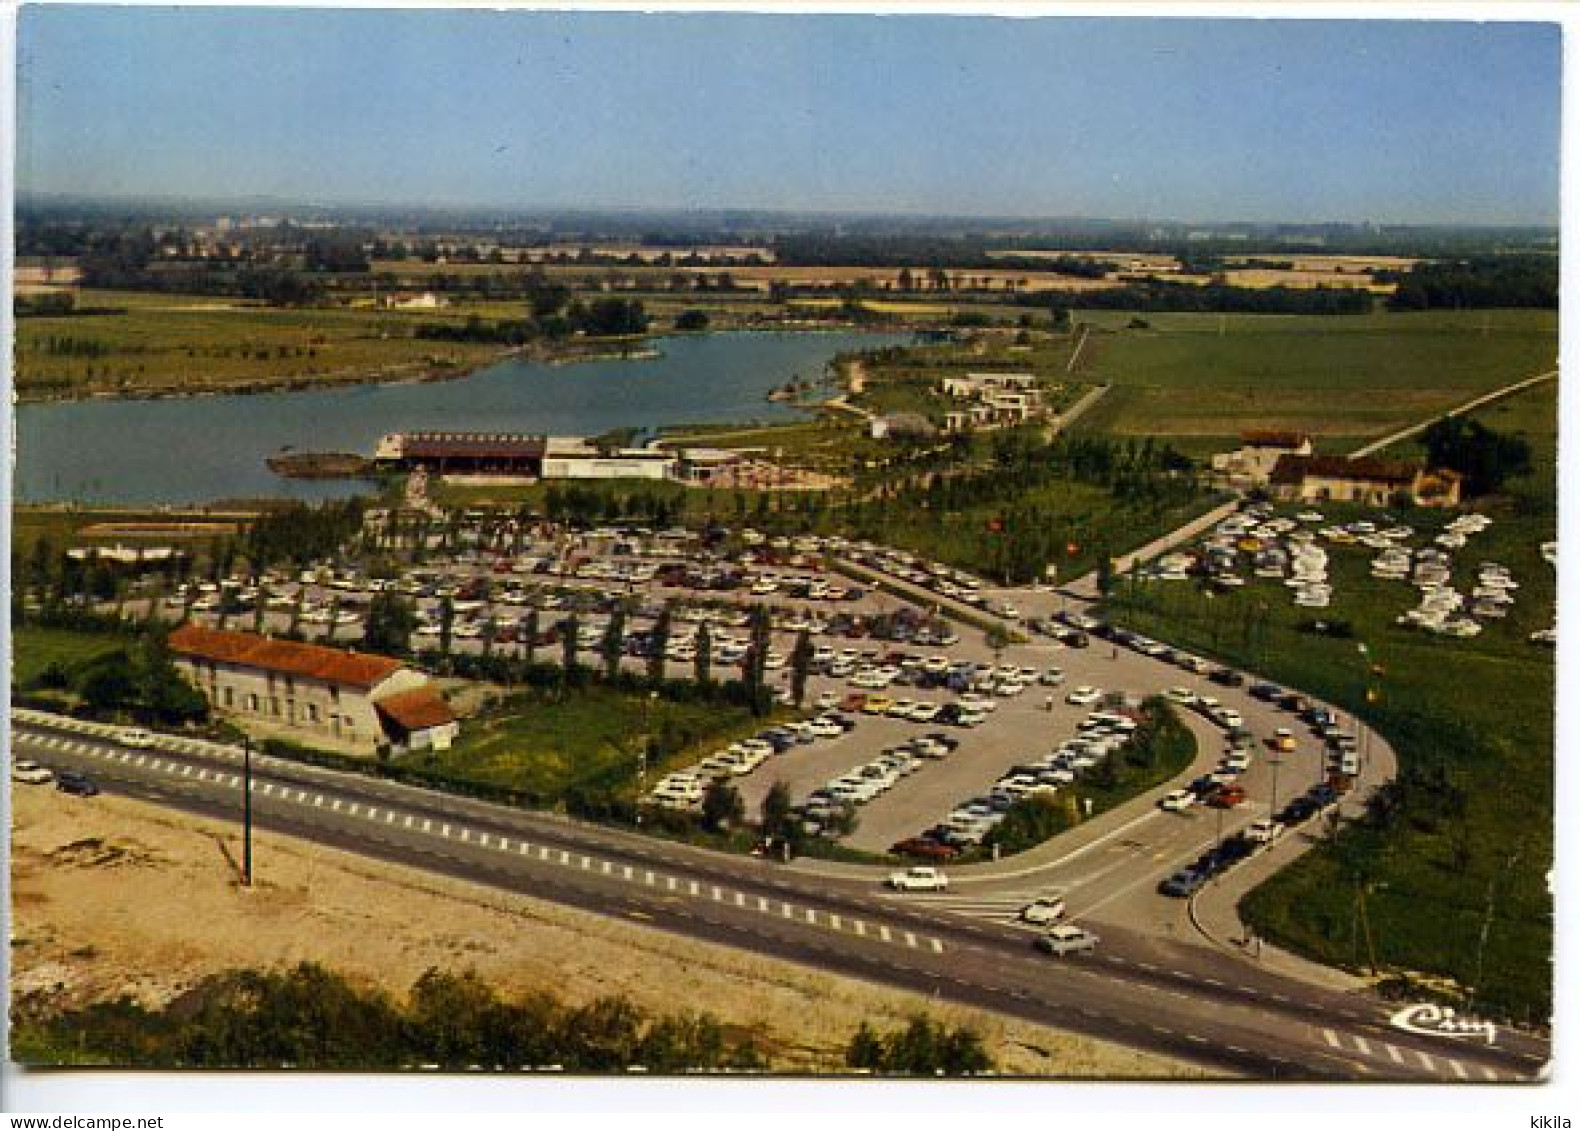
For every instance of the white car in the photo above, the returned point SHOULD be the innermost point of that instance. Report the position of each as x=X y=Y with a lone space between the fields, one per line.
x=1184 y=696
x=1237 y=760
x=920 y=878
x=1044 y=910
x=1178 y=801
x=1084 y=696
x=1052 y=677
x=827 y=701
x=135 y=737
x=1264 y=830
x=1067 y=938
x=31 y=773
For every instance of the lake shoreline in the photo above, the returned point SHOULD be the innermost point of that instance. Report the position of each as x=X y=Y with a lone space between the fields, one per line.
x=424 y=374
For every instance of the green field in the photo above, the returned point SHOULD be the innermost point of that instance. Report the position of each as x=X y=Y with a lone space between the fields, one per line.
x=546 y=746
x=34 y=649
x=185 y=344
x=1339 y=378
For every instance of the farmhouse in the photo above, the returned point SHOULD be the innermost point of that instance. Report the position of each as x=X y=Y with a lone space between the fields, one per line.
x=1251 y=465
x=1375 y=482
x=327 y=697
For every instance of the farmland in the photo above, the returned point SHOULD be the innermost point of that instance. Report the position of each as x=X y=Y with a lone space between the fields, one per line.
x=1322 y=376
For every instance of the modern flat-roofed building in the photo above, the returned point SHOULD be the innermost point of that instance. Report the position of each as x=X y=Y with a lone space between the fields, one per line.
x=354 y=702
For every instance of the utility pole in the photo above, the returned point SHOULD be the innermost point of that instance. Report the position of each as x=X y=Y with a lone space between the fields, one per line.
x=246 y=812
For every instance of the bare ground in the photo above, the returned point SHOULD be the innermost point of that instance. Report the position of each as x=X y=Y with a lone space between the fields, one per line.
x=113 y=896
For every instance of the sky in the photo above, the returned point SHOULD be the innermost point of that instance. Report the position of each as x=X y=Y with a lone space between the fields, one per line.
x=1191 y=119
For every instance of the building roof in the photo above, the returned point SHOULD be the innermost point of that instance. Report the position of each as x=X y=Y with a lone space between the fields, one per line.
x=285 y=657
x=418 y=709
x=1274 y=439
x=472 y=445
x=1296 y=469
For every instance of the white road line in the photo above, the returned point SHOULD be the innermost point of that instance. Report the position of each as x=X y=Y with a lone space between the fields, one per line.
x=543 y=852
x=910 y=939
x=670 y=882
x=938 y=947
x=336 y=805
x=1361 y=1043
x=648 y=878
x=883 y=933
x=587 y=863
x=608 y=866
x=318 y=800
x=410 y=821
x=1489 y=1073
x=301 y=796
x=694 y=888
x=504 y=844
x=718 y=894
x=834 y=922
x=235 y=781
x=1394 y=1054
x=565 y=857
x=811 y=915
x=186 y=771
x=762 y=903
x=1459 y=1069
x=525 y=847
x=267 y=789
x=466 y=833
x=1332 y=1038
x=861 y=928
x=740 y=899
x=1426 y=1062
x=789 y=911
x=444 y=830
x=142 y=759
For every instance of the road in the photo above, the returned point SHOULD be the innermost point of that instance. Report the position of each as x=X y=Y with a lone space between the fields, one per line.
x=1175 y=998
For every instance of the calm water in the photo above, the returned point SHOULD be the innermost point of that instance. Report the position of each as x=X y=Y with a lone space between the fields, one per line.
x=207 y=448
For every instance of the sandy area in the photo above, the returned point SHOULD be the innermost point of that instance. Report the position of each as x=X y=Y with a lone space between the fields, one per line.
x=113 y=896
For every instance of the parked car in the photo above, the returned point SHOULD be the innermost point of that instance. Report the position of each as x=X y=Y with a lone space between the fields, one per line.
x=1083 y=696
x=1066 y=938
x=924 y=847
x=1227 y=797
x=1263 y=830
x=135 y=737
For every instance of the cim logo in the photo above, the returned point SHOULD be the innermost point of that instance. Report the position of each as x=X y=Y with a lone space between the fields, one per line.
x=1440 y=1021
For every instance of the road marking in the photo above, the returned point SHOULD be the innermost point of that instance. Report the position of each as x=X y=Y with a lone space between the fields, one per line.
x=695 y=888
x=608 y=866
x=267 y=789
x=1459 y=1069
x=883 y=933
x=762 y=902
x=1360 y=1043
x=318 y=801
x=1394 y=1054
x=444 y=830
x=938 y=947
x=861 y=928
x=1489 y=1073
x=587 y=863
x=504 y=844
x=301 y=796
x=525 y=847
x=718 y=894
x=670 y=882
x=565 y=857
x=1426 y=1062
x=336 y=805
x=789 y=911
x=410 y=821
x=1194 y=1037
x=235 y=781
x=543 y=852
x=186 y=771
x=648 y=878
x=1332 y=1038
x=811 y=915
x=466 y=833
x=910 y=939
x=142 y=759
x=834 y=921
x=740 y=899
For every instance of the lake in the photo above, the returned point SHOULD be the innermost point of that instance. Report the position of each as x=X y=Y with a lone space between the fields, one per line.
x=201 y=449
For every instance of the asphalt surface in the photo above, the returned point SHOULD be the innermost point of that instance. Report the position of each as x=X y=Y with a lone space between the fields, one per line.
x=1172 y=997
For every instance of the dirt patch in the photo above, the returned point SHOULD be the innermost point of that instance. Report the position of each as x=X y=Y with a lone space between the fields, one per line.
x=113 y=896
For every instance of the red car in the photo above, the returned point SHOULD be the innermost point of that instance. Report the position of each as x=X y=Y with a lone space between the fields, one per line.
x=924 y=848
x=1227 y=797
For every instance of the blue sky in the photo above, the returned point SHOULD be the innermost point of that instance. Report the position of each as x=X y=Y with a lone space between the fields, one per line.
x=1187 y=119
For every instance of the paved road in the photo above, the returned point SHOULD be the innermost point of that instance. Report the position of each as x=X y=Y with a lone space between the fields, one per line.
x=1180 y=1000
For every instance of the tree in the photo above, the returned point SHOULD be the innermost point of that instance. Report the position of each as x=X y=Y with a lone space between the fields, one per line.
x=1484 y=457
x=691 y=320
x=446 y=625
x=658 y=646
x=613 y=644
x=703 y=671
x=775 y=812
x=570 y=643
x=722 y=806
x=389 y=625
x=800 y=666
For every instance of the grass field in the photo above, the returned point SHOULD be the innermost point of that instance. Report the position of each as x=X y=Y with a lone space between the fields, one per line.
x=590 y=740
x=1342 y=379
x=34 y=649
x=182 y=344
